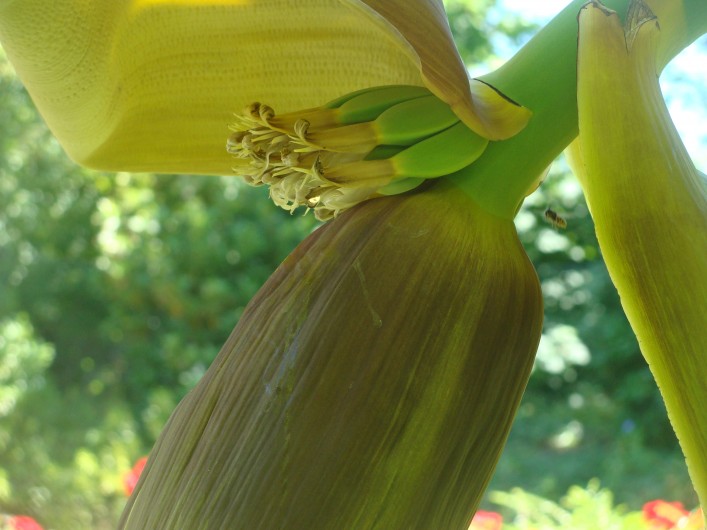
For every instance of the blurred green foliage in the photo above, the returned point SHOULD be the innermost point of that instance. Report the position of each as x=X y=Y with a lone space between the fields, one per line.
x=580 y=509
x=476 y=25
x=118 y=290
x=591 y=408
x=590 y=508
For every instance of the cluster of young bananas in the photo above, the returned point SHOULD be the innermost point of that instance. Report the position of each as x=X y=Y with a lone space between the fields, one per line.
x=377 y=141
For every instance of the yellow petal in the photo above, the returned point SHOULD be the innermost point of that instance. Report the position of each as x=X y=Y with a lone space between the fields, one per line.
x=650 y=212
x=422 y=27
x=151 y=85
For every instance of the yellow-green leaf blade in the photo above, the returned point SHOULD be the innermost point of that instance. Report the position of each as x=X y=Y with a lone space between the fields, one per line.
x=151 y=85
x=650 y=212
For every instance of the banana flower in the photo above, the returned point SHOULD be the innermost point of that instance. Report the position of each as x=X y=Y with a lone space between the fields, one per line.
x=372 y=381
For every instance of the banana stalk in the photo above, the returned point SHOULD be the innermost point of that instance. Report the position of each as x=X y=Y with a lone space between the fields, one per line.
x=370 y=384
x=649 y=206
x=542 y=77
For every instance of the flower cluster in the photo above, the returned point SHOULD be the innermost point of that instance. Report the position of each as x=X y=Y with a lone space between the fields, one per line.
x=656 y=515
x=663 y=515
x=18 y=522
x=131 y=477
x=486 y=521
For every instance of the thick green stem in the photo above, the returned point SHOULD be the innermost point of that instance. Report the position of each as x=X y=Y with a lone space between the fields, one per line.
x=542 y=77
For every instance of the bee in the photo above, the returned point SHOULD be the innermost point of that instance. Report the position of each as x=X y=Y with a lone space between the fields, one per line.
x=555 y=219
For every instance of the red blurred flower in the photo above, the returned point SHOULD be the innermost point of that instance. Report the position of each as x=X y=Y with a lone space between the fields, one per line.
x=23 y=522
x=486 y=521
x=661 y=514
x=131 y=477
x=695 y=521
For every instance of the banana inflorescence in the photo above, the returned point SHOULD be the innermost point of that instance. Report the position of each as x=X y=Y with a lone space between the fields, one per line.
x=370 y=384
x=377 y=141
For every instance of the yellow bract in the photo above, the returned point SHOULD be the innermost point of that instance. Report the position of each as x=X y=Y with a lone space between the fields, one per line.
x=151 y=85
x=650 y=211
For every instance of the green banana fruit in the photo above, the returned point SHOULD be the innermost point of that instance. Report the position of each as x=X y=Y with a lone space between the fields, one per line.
x=368 y=104
x=408 y=122
x=400 y=186
x=441 y=154
x=401 y=124
x=370 y=384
